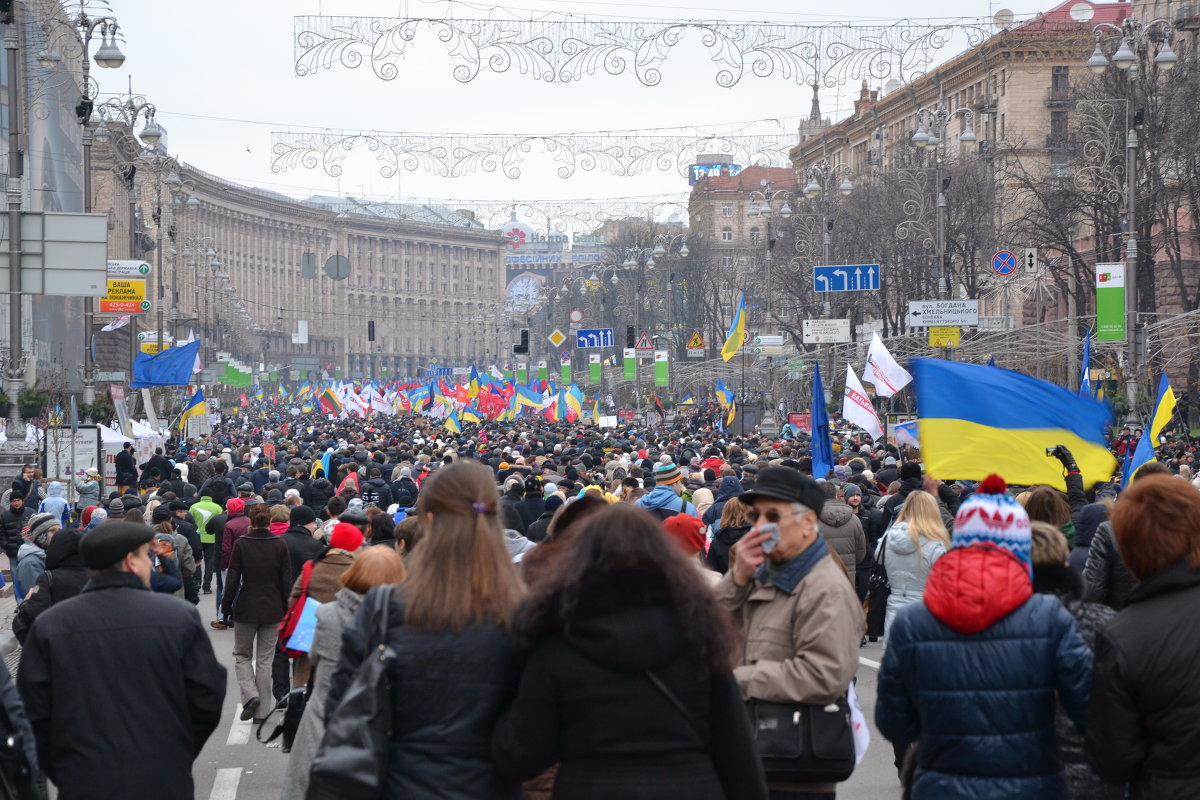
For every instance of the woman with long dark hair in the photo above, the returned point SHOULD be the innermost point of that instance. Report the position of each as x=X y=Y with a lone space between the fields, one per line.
x=455 y=668
x=627 y=683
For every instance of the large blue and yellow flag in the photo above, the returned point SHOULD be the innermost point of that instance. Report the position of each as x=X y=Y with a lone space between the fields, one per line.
x=737 y=330
x=976 y=420
x=1164 y=407
x=452 y=424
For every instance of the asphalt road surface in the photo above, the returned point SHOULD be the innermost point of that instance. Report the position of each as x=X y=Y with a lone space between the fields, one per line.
x=234 y=766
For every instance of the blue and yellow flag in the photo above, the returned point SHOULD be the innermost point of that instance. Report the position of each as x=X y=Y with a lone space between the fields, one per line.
x=687 y=401
x=194 y=408
x=473 y=385
x=470 y=414
x=452 y=423
x=737 y=330
x=1164 y=407
x=724 y=396
x=976 y=420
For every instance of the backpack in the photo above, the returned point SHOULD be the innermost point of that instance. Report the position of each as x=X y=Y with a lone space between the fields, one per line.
x=220 y=489
x=665 y=514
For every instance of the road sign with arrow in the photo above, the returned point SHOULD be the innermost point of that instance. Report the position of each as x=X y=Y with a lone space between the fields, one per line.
x=846 y=278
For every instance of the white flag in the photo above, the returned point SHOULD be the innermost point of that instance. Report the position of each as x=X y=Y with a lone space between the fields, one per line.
x=119 y=322
x=857 y=408
x=883 y=371
x=197 y=365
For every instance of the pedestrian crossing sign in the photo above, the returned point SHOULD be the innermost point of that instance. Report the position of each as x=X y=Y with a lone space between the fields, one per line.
x=695 y=341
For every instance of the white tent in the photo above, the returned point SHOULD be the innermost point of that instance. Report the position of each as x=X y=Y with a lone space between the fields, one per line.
x=111 y=442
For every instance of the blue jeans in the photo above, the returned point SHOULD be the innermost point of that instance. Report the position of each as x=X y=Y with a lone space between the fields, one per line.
x=220 y=593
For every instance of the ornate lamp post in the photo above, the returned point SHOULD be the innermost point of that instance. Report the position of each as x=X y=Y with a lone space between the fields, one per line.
x=763 y=204
x=931 y=136
x=1136 y=40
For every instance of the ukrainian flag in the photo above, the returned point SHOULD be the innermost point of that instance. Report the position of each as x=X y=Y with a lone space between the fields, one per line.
x=527 y=397
x=194 y=408
x=1164 y=407
x=452 y=423
x=976 y=420
x=688 y=401
x=737 y=330
x=470 y=415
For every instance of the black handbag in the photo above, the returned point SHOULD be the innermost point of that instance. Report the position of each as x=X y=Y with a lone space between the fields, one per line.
x=879 y=589
x=804 y=742
x=290 y=710
x=352 y=762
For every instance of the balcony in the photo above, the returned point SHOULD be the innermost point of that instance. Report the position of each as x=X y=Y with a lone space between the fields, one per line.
x=1187 y=16
x=1060 y=96
x=986 y=103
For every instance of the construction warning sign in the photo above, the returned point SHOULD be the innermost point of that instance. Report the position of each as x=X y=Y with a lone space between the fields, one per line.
x=125 y=296
x=695 y=341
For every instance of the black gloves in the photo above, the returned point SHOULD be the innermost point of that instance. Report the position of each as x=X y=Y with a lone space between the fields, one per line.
x=1064 y=456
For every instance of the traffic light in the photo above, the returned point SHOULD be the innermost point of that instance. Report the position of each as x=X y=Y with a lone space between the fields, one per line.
x=370 y=330
x=522 y=349
x=630 y=337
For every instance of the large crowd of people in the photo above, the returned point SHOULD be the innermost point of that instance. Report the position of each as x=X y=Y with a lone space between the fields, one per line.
x=559 y=610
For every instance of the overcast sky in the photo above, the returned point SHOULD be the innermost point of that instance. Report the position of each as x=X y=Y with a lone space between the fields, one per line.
x=223 y=77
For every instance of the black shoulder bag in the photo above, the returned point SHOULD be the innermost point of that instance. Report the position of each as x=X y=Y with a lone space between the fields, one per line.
x=804 y=742
x=879 y=589
x=352 y=762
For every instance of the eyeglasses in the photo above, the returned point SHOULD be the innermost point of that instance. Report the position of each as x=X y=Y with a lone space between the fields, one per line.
x=772 y=517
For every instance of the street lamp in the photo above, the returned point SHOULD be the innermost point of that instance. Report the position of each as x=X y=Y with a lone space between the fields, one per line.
x=762 y=204
x=934 y=139
x=1136 y=39
x=77 y=33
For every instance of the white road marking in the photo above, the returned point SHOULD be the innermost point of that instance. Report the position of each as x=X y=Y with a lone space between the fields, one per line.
x=239 y=731
x=866 y=662
x=226 y=784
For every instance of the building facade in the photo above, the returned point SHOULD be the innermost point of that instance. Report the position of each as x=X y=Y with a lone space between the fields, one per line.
x=293 y=285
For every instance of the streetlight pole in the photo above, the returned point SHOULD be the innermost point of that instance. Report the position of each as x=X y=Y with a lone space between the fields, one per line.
x=1135 y=41
x=762 y=204
x=15 y=191
x=938 y=118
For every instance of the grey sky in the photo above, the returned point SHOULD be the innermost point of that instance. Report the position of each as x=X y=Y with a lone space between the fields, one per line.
x=222 y=75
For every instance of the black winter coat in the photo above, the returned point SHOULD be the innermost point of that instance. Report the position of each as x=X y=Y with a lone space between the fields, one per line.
x=259 y=580
x=586 y=703
x=530 y=508
x=126 y=468
x=122 y=689
x=1090 y=618
x=302 y=548
x=447 y=692
x=1105 y=577
x=11 y=523
x=723 y=539
x=1144 y=710
x=319 y=493
x=65 y=577
x=539 y=530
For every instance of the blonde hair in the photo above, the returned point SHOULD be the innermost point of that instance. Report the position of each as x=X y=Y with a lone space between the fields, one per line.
x=1048 y=546
x=281 y=514
x=924 y=519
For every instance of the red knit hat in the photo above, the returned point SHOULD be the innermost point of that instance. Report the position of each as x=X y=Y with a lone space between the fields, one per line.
x=687 y=531
x=346 y=537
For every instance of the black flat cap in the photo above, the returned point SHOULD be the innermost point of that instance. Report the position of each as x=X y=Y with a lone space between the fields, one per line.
x=109 y=542
x=788 y=485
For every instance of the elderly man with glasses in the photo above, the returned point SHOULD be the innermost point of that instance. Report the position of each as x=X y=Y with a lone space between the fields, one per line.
x=796 y=606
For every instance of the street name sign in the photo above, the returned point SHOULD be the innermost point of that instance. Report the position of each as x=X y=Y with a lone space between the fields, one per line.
x=825 y=331
x=846 y=278
x=930 y=313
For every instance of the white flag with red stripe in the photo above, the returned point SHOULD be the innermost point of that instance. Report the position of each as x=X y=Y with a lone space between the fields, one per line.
x=883 y=371
x=857 y=408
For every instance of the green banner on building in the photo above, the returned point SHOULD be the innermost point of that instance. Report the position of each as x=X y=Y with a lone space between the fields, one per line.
x=662 y=374
x=543 y=373
x=630 y=364
x=1110 y=302
x=593 y=368
x=522 y=372
x=564 y=371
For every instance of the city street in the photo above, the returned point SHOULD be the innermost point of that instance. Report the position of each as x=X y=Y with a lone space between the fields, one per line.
x=235 y=765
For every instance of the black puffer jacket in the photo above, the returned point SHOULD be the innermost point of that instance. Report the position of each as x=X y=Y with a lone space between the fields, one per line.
x=1144 y=709
x=587 y=703
x=319 y=492
x=1106 y=579
x=64 y=578
x=722 y=541
x=11 y=523
x=1065 y=584
x=447 y=692
x=727 y=488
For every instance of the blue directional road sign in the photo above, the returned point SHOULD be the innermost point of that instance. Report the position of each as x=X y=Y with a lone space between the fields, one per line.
x=846 y=278
x=593 y=337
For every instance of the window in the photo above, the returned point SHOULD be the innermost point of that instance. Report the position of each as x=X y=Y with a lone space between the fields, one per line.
x=1058 y=124
x=727 y=262
x=1060 y=78
x=1058 y=166
x=726 y=209
x=754 y=236
x=726 y=234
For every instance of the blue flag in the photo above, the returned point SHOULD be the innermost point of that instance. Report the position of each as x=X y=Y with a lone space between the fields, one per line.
x=1085 y=374
x=171 y=367
x=1127 y=467
x=822 y=447
x=992 y=361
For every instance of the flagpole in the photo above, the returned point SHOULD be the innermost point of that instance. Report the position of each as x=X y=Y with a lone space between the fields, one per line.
x=742 y=412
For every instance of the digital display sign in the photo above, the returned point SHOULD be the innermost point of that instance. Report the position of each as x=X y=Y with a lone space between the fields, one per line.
x=699 y=171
